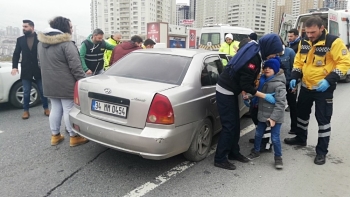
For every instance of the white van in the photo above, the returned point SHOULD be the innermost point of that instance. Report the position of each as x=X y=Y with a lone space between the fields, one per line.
x=212 y=36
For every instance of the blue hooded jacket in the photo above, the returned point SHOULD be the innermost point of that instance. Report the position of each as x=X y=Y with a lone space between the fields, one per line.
x=268 y=44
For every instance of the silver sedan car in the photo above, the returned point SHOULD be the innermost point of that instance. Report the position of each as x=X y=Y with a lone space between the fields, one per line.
x=155 y=103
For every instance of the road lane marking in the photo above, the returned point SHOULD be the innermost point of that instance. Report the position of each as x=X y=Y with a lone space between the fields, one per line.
x=161 y=179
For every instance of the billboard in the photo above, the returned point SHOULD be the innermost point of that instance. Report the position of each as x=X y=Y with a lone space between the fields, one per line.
x=153 y=31
x=192 y=41
x=177 y=42
x=186 y=22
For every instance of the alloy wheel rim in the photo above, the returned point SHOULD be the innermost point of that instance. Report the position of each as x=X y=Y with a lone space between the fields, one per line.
x=32 y=97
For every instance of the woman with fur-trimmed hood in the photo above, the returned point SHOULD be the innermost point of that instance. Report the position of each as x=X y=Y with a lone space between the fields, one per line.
x=60 y=69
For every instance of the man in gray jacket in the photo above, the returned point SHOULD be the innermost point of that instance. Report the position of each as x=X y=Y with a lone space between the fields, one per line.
x=60 y=69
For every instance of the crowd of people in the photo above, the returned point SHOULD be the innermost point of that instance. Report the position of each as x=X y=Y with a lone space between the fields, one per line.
x=265 y=72
x=52 y=60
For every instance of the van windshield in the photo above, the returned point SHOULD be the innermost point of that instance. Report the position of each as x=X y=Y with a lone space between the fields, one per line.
x=214 y=38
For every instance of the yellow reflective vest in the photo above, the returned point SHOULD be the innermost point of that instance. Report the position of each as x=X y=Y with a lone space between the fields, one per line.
x=108 y=53
x=230 y=49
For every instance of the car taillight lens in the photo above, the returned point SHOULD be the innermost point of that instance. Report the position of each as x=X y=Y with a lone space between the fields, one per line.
x=161 y=111
x=76 y=94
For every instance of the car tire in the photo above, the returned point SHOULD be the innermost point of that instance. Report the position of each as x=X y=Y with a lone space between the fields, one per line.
x=201 y=142
x=16 y=95
x=347 y=79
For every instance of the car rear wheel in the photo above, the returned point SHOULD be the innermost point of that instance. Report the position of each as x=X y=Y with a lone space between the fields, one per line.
x=201 y=142
x=17 y=95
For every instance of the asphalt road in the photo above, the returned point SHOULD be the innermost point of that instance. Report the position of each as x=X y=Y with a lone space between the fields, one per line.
x=29 y=166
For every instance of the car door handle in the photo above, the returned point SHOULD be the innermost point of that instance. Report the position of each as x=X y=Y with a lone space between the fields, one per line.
x=213 y=100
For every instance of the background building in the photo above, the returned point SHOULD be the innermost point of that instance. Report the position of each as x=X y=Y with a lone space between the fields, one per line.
x=336 y=4
x=182 y=12
x=130 y=17
x=293 y=7
x=254 y=14
x=193 y=9
x=211 y=12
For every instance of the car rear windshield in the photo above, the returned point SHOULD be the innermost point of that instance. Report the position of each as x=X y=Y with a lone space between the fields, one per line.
x=163 y=68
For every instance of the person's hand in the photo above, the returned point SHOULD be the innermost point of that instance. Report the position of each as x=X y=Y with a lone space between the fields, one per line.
x=14 y=71
x=272 y=122
x=246 y=102
x=292 y=84
x=270 y=98
x=323 y=85
x=89 y=72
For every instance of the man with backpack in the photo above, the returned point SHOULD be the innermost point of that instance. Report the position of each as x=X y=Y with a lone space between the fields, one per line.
x=239 y=75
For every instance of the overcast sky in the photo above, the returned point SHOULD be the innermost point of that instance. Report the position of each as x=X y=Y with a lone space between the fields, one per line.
x=41 y=11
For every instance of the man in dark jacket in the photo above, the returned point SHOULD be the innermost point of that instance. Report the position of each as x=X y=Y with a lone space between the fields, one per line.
x=240 y=75
x=293 y=39
x=125 y=48
x=27 y=45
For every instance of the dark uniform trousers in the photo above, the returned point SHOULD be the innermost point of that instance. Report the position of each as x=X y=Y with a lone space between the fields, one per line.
x=324 y=108
x=292 y=103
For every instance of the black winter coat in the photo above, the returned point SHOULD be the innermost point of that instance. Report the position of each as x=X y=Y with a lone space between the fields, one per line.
x=29 y=64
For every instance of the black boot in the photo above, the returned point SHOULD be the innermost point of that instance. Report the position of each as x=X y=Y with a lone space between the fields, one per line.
x=320 y=159
x=294 y=141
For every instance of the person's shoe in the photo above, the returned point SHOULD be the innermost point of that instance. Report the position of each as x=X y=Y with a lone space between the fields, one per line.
x=252 y=140
x=278 y=163
x=47 y=112
x=225 y=165
x=56 y=139
x=77 y=140
x=320 y=159
x=25 y=115
x=294 y=141
x=253 y=154
x=292 y=132
x=239 y=158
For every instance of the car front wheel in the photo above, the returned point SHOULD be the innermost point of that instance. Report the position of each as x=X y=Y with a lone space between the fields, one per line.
x=201 y=142
x=17 y=95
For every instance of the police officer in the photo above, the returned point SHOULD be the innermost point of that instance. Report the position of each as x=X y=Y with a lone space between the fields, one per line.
x=239 y=75
x=229 y=47
x=92 y=52
x=322 y=59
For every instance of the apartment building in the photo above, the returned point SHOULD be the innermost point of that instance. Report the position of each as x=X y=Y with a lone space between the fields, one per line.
x=193 y=9
x=254 y=14
x=182 y=12
x=336 y=4
x=130 y=17
x=293 y=7
x=211 y=12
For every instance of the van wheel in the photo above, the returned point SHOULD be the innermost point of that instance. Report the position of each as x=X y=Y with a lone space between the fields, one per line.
x=16 y=95
x=201 y=142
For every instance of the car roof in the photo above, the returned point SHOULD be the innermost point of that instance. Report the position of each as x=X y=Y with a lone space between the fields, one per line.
x=178 y=51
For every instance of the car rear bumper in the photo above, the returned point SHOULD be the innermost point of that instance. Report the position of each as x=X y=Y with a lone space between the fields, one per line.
x=149 y=143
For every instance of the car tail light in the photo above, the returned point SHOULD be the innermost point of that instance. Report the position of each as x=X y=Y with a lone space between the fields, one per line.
x=76 y=127
x=76 y=94
x=161 y=111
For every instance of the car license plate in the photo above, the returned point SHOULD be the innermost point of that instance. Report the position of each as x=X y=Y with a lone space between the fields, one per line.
x=108 y=108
